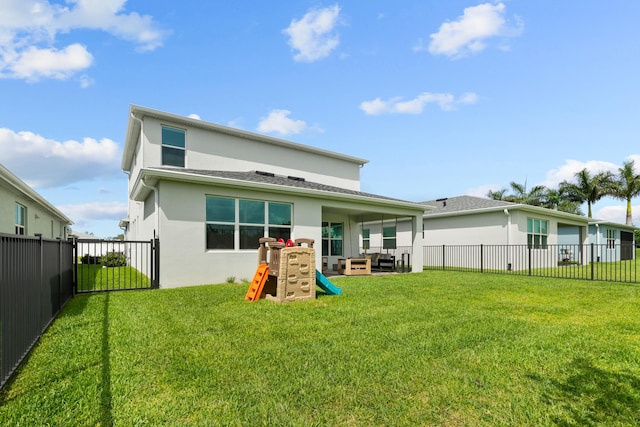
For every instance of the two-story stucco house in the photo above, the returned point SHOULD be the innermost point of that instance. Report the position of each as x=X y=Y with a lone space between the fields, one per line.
x=209 y=192
x=24 y=212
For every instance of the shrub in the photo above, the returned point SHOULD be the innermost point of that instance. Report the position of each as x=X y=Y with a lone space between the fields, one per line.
x=114 y=259
x=90 y=259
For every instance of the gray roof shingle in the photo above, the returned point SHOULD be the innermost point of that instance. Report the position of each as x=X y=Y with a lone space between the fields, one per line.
x=463 y=203
x=287 y=181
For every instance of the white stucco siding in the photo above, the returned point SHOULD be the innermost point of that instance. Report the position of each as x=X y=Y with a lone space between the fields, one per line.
x=209 y=150
x=485 y=228
x=184 y=258
x=7 y=211
x=137 y=163
x=37 y=219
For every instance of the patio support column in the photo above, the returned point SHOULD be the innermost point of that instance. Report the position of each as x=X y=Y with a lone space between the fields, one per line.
x=417 y=257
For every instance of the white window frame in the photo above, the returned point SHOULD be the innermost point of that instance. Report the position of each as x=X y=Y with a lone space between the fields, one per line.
x=173 y=147
x=329 y=239
x=537 y=239
x=612 y=235
x=20 y=226
x=237 y=224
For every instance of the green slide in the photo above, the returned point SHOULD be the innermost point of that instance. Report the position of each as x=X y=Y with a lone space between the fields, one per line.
x=326 y=285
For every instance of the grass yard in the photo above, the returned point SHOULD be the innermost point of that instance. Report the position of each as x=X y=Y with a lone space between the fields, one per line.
x=436 y=348
x=95 y=277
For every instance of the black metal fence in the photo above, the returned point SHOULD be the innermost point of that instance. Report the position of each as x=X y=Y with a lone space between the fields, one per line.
x=615 y=263
x=113 y=265
x=36 y=280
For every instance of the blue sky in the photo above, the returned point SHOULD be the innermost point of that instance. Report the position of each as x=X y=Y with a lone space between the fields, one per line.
x=444 y=98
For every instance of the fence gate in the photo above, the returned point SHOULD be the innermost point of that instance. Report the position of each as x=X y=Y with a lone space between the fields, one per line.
x=113 y=265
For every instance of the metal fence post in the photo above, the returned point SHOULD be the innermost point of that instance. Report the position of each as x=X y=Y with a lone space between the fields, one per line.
x=156 y=263
x=529 y=261
x=481 y=258
x=591 y=260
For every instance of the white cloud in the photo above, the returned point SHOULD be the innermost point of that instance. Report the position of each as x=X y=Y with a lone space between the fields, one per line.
x=567 y=171
x=313 y=36
x=617 y=213
x=278 y=121
x=28 y=30
x=194 y=116
x=45 y=163
x=35 y=63
x=96 y=216
x=445 y=101
x=470 y=33
x=94 y=211
x=483 y=190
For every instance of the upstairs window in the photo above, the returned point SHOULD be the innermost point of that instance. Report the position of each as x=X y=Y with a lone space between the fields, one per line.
x=173 y=146
x=20 y=219
x=537 y=233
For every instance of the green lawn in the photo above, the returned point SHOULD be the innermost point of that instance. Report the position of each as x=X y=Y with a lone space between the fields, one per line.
x=92 y=277
x=436 y=348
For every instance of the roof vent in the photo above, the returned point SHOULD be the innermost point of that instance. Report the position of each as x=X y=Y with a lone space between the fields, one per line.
x=296 y=178
x=444 y=201
x=263 y=173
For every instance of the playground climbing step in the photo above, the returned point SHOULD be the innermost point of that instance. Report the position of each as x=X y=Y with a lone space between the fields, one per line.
x=257 y=284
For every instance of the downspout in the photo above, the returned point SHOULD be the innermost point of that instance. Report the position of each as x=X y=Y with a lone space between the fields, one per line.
x=598 y=240
x=506 y=212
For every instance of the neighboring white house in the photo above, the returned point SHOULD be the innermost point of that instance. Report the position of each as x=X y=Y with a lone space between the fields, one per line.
x=25 y=212
x=209 y=192
x=510 y=229
x=506 y=230
x=614 y=242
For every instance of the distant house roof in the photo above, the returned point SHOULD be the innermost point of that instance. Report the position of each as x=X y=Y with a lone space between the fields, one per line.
x=137 y=113
x=469 y=205
x=465 y=205
x=13 y=181
x=264 y=180
x=613 y=224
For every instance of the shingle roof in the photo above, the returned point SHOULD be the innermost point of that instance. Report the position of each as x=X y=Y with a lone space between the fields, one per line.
x=287 y=181
x=463 y=203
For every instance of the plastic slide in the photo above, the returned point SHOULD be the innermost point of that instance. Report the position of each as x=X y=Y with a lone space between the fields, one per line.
x=326 y=285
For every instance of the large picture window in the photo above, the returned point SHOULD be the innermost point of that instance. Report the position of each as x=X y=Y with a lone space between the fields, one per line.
x=20 y=219
x=239 y=223
x=173 y=146
x=332 y=238
x=537 y=232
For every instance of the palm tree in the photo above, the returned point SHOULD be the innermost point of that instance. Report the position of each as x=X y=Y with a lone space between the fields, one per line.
x=588 y=188
x=626 y=186
x=558 y=200
x=497 y=195
x=521 y=195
